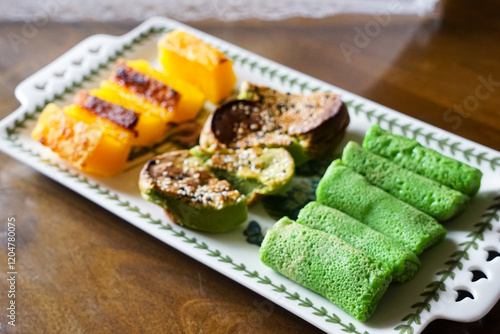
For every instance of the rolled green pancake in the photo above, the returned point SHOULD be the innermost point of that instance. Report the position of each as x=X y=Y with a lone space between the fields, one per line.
x=343 y=189
x=403 y=263
x=429 y=196
x=327 y=265
x=422 y=160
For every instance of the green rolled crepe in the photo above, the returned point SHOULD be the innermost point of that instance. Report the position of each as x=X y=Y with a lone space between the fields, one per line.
x=327 y=265
x=429 y=196
x=403 y=263
x=343 y=189
x=422 y=160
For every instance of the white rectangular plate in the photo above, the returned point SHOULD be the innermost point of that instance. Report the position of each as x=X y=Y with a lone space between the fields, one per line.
x=406 y=308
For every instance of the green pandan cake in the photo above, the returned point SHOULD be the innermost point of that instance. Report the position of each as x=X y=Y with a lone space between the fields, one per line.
x=327 y=265
x=253 y=172
x=422 y=160
x=345 y=190
x=403 y=263
x=431 y=197
x=191 y=195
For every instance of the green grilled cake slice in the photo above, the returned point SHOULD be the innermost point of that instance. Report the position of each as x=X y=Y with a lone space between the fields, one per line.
x=308 y=126
x=191 y=195
x=253 y=172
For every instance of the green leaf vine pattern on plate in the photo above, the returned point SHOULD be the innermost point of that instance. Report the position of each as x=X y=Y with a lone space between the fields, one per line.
x=31 y=115
x=267 y=70
x=453 y=264
x=304 y=302
x=12 y=137
x=373 y=115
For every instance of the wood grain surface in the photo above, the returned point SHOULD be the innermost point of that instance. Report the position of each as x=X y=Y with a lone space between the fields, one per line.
x=83 y=270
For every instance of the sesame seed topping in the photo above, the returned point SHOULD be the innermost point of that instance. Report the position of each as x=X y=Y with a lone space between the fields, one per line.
x=266 y=120
x=186 y=177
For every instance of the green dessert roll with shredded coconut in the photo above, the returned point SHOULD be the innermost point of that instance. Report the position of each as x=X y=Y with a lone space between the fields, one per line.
x=327 y=265
x=403 y=263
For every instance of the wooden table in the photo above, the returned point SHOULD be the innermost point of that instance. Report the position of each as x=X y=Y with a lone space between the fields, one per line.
x=83 y=270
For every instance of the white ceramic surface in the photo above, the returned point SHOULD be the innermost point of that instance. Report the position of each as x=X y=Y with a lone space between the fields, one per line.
x=405 y=308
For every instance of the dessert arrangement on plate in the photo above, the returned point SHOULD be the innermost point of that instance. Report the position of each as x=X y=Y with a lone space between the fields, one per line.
x=378 y=206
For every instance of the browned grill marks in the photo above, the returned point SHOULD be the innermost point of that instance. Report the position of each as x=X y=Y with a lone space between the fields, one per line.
x=113 y=112
x=149 y=88
x=183 y=176
x=245 y=123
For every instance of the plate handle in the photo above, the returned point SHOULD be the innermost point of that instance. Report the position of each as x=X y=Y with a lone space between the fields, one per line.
x=474 y=290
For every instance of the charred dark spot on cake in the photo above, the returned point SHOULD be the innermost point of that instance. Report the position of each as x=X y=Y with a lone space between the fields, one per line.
x=332 y=113
x=145 y=86
x=115 y=113
x=234 y=119
x=222 y=60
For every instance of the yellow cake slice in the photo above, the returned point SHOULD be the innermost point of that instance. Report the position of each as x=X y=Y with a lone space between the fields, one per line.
x=90 y=143
x=186 y=57
x=150 y=127
x=149 y=90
